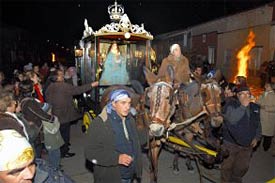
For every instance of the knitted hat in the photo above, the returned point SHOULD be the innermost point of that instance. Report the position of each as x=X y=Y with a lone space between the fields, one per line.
x=242 y=88
x=211 y=74
x=15 y=150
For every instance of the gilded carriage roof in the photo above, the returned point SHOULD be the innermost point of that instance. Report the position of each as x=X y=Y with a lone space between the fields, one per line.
x=120 y=26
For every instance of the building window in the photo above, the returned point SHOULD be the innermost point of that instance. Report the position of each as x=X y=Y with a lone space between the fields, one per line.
x=204 y=38
x=227 y=65
x=255 y=59
x=211 y=54
x=185 y=40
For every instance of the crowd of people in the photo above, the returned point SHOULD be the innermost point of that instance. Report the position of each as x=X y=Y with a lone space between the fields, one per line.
x=36 y=113
x=37 y=103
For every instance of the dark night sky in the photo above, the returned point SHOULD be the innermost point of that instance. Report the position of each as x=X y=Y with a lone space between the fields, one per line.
x=62 y=20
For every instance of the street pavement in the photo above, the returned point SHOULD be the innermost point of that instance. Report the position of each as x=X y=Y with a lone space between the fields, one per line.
x=261 y=168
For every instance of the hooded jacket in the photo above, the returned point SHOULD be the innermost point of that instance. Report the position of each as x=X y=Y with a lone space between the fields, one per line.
x=181 y=68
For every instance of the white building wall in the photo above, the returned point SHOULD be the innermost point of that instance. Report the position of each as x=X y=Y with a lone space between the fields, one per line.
x=251 y=18
x=233 y=31
x=233 y=41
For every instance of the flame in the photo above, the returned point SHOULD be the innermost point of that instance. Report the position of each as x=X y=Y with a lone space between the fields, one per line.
x=243 y=55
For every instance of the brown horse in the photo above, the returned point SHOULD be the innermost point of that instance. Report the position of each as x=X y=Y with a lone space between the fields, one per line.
x=201 y=103
x=163 y=101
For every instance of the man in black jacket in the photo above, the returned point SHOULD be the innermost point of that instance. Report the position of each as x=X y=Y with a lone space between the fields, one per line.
x=241 y=132
x=112 y=143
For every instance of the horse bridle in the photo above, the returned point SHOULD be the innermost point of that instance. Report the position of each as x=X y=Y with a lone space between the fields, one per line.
x=214 y=100
x=158 y=100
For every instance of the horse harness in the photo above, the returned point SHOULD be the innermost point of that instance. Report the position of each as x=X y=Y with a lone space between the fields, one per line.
x=160 y=86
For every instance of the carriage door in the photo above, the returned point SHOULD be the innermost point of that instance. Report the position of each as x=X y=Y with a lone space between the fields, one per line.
x=136 y=58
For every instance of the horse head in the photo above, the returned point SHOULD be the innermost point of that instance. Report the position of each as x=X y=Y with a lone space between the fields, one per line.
x=161 y=101
x=211 y=96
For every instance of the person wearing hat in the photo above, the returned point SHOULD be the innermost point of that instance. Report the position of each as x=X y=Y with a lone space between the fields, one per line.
x=115 y=67
x=16 y=164
x=28 y=67
x=39 y=114
x=241 y=133
x=180 y=64
x=19 y=164
x=241 y=81
x=112 y=143
x=32 y=112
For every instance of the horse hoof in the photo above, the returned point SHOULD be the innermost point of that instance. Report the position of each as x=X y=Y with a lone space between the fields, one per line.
x=190 y=169
x=176 y=171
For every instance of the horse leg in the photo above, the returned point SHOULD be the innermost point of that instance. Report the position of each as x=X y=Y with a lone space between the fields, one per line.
x=176 y=169
x=154 y=154
x=189 y=137
x=189 y=165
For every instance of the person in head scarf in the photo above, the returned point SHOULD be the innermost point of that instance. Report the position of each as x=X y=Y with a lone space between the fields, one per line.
x=115 y=68
x=16 y=164
x=116 y=156
x=180 y=65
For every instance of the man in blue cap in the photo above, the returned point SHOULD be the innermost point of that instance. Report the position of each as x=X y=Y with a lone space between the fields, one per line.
x=241 y=133
x=112 y=143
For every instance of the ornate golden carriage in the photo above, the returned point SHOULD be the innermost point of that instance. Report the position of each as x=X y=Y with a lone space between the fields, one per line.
x=134 y=43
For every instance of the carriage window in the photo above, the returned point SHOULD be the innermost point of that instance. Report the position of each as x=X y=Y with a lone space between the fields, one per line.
x=136 y=61
x=121 y=62
x=113 y=61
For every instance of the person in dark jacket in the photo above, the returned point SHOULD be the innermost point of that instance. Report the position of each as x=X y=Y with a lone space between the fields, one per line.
x=30 y=111
x=60 y=95
x=241 y=133
x=112 y=142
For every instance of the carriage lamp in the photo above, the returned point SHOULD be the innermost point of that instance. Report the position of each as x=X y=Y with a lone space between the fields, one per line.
x=103 y=56
x=138 y=54
x=127 y=35
x=78 y=52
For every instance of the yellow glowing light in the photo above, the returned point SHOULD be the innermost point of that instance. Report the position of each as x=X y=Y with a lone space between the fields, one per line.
x=243 y=55
x=53 y=57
